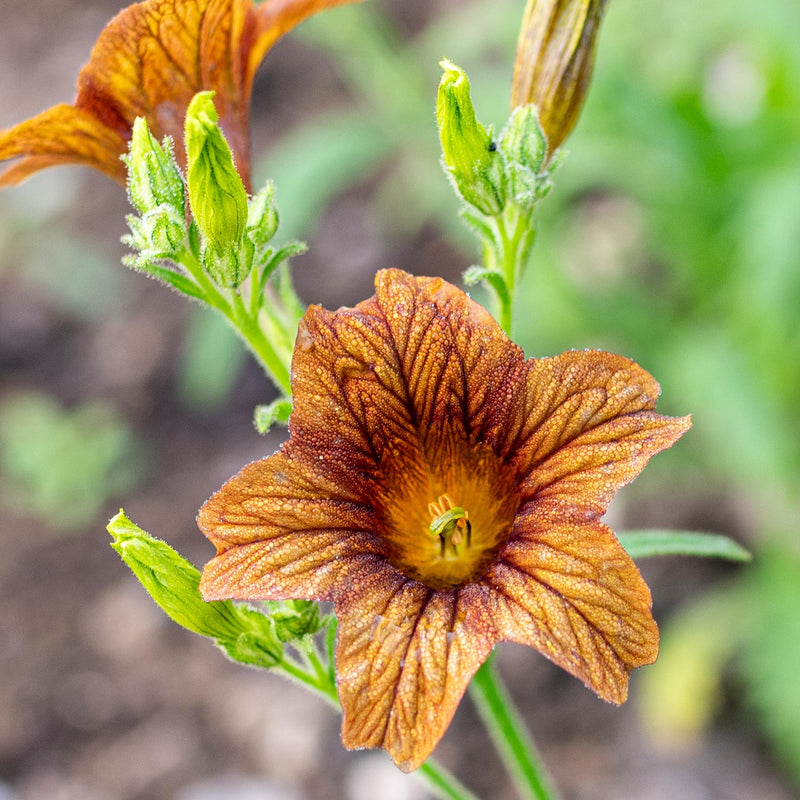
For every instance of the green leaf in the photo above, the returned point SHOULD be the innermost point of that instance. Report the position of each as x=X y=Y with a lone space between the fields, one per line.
x=265 y=416
x=646 y=543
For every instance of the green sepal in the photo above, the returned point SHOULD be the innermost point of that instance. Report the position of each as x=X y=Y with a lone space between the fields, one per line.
x=647 y=543
x=230 y=266
x=294 y=619
x=173 y=582
x=265 y=416
x=469 y=154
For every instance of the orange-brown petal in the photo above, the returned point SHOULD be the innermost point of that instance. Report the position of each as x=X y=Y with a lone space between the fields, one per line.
x=149 y=61
x=284 y=530
x=589 y=470
x=404 y=658
x=567 y=587
x=418 y=363
x=585 y=418
x=61 y=135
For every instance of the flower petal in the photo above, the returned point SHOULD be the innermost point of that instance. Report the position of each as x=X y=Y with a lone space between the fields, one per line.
x=284 y=530
x=418 y=364
x=61 y=135
x=569 y=589
x=584 y=427
x=404 y=658
x=149 y=61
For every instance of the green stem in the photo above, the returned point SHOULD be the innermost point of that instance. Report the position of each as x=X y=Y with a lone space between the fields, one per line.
x=233 y=309
x=507 y=253
x=507 y=731
x=442 y=783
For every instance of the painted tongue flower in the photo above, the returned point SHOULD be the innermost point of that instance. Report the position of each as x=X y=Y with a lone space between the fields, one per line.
x=149 y=61
x=445 y=494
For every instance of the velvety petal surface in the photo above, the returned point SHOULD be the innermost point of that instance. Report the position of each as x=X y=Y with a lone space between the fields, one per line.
x=583 y=426
x=149 y=61
x=283 y=529
x=565 y=585
x=405 y=656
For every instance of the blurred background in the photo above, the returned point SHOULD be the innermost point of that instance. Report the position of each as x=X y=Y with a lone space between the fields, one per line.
x=672 y=236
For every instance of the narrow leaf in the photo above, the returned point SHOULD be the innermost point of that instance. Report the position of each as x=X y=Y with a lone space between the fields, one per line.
x=646 y=543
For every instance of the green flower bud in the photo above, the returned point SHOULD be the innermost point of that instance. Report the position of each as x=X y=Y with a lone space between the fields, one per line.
x=262 y=216
x=173 y=583
x=294 y=618
x=217 y=195
x=524 y=149
x=469 y=154
x=154 y=178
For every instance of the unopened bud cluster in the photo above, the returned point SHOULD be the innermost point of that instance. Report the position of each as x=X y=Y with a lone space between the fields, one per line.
x=246 y=635
x=228 y=233
x=155 y=188
x=489 y=174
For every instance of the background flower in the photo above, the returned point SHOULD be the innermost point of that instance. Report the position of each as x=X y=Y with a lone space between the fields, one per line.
x=150 y=60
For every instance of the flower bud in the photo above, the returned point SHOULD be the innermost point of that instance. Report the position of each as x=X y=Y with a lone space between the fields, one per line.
x=173 y=583
x=524 y=148
x=217 y=195
x=469 y=154
x=153 y=176
x=555 y=56
x=262 y=216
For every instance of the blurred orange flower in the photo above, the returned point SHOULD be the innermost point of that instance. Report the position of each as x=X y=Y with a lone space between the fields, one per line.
x=149 y=61
x=445 y=494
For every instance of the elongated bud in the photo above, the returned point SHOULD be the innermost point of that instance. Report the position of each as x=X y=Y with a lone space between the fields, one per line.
x=555 y=56
x=217 y=195
x=173 y=583
x=469 y=154
x=153 y=176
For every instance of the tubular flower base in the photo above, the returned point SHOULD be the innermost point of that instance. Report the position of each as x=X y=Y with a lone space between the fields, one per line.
x=445 y=494
x=149 y=61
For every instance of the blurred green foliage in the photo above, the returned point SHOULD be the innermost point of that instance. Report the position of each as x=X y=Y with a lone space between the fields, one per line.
x=63 y=465
x=673 y=236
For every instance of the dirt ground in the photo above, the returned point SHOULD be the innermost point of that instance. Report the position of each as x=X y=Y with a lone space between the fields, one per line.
x=101 y=697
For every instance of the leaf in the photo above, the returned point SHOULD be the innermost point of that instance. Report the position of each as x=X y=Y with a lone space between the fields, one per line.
x=647 y=543
x=265 y=416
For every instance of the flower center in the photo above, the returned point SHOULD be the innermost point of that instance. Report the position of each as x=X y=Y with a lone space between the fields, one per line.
x=444 y=522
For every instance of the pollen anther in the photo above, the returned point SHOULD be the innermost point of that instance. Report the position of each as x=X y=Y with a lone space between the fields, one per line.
x=450 y=523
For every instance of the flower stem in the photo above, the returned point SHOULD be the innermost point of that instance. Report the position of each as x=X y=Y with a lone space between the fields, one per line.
x=245 y=324
x=441 y=783
x=507 y=731
x=508 y=253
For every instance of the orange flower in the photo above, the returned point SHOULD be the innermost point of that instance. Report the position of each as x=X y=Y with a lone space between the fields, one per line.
x=149 y=61
x=445 y=494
